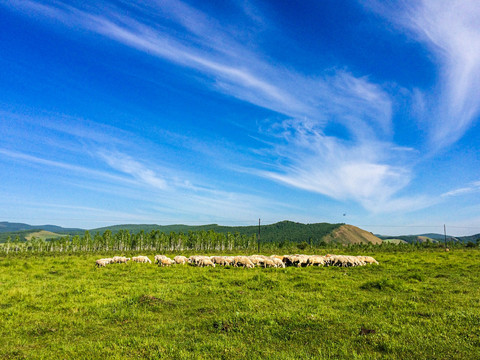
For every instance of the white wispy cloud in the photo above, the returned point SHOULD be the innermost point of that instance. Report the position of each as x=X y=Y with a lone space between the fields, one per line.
x=134 y=168
x=362 y=171
x=473 y=187
x=20 y=156
x=365 y=168
x=235 y=69
x=451 y=31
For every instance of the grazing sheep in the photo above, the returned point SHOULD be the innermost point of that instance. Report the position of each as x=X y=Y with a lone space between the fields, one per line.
x=157 y=258
x=229 y=260
x=101 y=263
x=288 y=260
x=217 y=259
x=316 y=260
x=344 y=260
x=222 y=260
x=108 y=260
x=194 y=259
x=243 y=261
x=278 y=262
x=333 y=260
x=205 y=262
x=120 y=259
x=267 y=262
x=141 y=259
x=302 y=260
x=165 y=262
x=295 y=260
x=279 y=257
x=257 y=260
x=368 y=259
x=354 y=261
x=180 y=259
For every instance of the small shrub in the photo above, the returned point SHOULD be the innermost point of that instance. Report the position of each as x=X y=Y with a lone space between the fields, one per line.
x=302 y=245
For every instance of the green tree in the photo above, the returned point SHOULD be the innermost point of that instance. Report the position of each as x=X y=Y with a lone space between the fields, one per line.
x=106 y=239
x=86 y=240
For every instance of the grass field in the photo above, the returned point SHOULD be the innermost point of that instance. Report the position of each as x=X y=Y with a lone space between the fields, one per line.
x=414 y=305
x=43 y=235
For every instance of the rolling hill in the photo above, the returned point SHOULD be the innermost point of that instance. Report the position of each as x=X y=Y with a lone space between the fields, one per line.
x=44 y=235
x=432 y=237
x=349 y=234
x=6 y=226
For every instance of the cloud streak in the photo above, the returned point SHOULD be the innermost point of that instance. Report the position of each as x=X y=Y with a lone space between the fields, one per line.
x=451 y=31
x=474 y=187
x=128 y=165
x=332 y=167
x=365 y=165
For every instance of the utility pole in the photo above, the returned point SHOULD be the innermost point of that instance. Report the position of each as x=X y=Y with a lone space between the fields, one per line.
x=258 y=239
x=445 y=234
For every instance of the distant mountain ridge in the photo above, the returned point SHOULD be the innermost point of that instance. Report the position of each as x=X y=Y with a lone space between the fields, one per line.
x=281 y=232
x=278 y=232
x=432 y=237
x=6 y=226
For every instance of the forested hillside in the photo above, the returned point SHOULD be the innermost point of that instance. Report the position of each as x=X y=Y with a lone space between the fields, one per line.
x=279 y=232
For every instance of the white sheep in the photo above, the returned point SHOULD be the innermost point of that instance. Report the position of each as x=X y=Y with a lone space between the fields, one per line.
x=157 y=258
x=267 y=262
x=278 y=263
x=368 y=259
x=257 y=260
x=180 y=259
x=295 y=260
x=141 y=259
x=279 y=257
x=222 y=260
x=205 y=262
x=101 y=263
x=243 y=261
x=166 y=262
x=108 y=260
x=316 y=260
x=120 y=259
x=194 y=259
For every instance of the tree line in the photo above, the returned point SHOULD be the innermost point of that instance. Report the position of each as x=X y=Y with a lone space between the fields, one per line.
x=123 y=240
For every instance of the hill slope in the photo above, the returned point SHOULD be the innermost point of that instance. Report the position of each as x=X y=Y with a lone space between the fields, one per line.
x=42 y=234
x=6 y=226
x=349 y=234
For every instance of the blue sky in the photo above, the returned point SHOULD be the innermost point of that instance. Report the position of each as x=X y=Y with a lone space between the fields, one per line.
x=229 y=111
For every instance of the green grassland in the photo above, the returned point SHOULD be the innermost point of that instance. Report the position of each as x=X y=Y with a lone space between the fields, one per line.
x=421 y=304
x=43 y=235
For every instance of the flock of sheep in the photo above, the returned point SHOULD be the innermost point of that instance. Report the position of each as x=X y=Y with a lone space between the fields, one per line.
x=274 y=261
